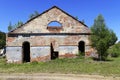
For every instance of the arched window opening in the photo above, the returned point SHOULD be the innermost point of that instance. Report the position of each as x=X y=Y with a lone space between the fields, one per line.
x=55 y=24
x=81 y=47
x=26 y=51
x=54 y=27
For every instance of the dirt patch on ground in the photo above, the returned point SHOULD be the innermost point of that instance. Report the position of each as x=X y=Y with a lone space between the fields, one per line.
x=51 y=76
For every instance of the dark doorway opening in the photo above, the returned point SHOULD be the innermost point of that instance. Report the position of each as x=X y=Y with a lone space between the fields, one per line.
x=54 y=54
x=81 y=47
x=26 y=51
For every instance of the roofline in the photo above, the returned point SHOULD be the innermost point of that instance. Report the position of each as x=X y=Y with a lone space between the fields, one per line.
x=59 y=9
x=45 y=12
x=70 y=15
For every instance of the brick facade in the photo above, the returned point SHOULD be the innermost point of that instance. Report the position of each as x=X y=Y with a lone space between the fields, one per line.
x=45 y=40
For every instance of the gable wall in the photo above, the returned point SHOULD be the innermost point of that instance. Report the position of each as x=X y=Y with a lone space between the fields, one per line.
x=39 y=24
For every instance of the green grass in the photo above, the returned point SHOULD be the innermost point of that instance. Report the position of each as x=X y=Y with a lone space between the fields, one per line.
x=73 y=66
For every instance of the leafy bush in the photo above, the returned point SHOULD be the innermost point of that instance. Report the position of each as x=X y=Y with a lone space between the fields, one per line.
x=102 y=37
x=114 y=50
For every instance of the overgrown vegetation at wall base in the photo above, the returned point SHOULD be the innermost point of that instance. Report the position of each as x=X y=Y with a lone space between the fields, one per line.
x=66 y=66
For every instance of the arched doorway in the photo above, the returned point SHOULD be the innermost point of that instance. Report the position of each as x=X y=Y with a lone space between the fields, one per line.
x=26 y=51
x=81 y=47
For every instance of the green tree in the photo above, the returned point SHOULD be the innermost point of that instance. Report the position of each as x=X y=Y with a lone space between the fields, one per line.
x=10 y=27
x=114 y=50
x=2 y=39
x=34 y=14
x=102 y=37
x=83 y=21
x=19 y=23
x=76 y=17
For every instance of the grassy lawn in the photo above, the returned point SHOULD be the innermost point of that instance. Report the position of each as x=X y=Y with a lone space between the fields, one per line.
x=73 y=66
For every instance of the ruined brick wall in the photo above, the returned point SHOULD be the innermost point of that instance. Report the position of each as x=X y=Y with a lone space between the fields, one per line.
x=39 y=24
x=40 y=45
x=66 y=45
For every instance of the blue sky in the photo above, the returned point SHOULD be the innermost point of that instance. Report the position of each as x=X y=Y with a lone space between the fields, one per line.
x=19 y=10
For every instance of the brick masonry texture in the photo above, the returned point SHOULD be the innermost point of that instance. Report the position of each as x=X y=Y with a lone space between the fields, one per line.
x=40 y=45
